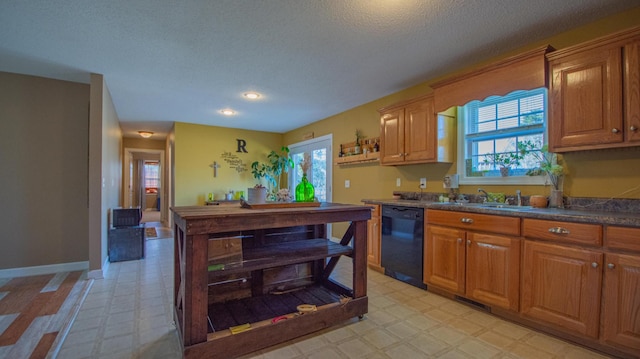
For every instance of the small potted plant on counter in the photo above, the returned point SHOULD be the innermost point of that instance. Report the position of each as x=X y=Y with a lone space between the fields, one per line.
x=547 y=166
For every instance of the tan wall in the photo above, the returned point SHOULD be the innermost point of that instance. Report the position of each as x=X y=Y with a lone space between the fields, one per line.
x=43 y=154
x=197 y=146
x=612 y=173
x=129 y=142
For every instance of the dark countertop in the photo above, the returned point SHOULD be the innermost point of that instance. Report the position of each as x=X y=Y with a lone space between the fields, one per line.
x=628 y=219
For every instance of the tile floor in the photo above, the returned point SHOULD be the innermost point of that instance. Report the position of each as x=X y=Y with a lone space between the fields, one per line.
x=128 y=315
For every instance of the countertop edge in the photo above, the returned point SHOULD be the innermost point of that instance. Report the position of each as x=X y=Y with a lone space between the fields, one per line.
x=557 y=214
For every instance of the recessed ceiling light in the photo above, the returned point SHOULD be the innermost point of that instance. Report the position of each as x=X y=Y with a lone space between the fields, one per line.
x=252 y=95
x=227 y=112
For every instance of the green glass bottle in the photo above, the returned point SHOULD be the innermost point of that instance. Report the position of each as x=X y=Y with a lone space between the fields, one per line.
x=305 y=191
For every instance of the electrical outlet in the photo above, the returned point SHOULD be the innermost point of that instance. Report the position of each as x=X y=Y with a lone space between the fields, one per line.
x=398 y=182
x=347 y=183
x=423 y=182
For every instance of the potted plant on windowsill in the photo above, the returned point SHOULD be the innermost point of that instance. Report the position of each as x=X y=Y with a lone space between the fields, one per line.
x=272 y=170
x=503 y=161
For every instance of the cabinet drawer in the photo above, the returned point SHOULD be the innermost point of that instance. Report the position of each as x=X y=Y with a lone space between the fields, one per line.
x=567 y=232
x=623 y=238
x=225 y=250
x=475 y=221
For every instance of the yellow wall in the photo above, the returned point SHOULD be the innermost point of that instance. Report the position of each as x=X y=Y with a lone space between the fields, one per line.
x=197 y=146
x=611 y=173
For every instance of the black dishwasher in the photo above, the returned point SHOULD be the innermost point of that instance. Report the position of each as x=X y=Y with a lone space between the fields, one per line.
x=402 y=243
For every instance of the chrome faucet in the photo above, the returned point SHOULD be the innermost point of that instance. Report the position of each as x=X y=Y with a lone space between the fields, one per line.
x=518 y=198
x=486 y=195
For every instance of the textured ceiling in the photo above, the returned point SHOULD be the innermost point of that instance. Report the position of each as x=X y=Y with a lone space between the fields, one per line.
x=167 y=60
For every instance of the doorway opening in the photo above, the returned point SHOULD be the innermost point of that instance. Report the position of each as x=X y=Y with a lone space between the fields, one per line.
x=144 y=187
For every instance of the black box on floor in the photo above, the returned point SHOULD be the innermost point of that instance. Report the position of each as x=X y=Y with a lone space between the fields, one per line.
x=126 y=217
x=126 y=243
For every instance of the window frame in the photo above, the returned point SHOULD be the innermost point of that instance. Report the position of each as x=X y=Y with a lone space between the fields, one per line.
x=496 y=180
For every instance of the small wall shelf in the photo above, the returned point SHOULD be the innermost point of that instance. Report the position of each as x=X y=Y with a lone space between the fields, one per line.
x=363 y=158
x=367 y=144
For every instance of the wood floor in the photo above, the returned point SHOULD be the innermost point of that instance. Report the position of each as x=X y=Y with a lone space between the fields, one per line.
x=35 y=311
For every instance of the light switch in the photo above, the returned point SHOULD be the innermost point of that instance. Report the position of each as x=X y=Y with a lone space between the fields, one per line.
x=398 y=182
x=347 y=183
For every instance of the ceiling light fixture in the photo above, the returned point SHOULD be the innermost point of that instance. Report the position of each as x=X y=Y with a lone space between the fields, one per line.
x=252 y=95
x=228 y=112
x=145 y=134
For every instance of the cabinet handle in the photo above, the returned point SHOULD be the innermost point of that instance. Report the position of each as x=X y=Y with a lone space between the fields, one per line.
x=398 y=155
x=611 y=265
x=594 y=265
x=459 y=240
x=633 y=128
x=615 y=130
x=559 y=230
x=468 y=242
x=466 y=220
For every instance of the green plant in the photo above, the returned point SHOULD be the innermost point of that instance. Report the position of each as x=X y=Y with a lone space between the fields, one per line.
x=359 y=136
x=272 y=170
x=547 y=161
x=503 y=160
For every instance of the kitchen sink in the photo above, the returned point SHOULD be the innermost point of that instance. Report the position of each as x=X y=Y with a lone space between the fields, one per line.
x=495 y=205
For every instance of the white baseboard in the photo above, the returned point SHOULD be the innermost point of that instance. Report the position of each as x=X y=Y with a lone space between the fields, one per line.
x=99 y=273
x=45 y=269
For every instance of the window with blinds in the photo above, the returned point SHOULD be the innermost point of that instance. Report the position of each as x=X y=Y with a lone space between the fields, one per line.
x=496 y=125
x=151 y=176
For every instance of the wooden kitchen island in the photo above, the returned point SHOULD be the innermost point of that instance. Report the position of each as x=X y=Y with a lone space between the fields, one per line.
x=242 y=275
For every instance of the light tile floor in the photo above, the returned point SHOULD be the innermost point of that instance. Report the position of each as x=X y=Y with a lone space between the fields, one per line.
x=128 y=315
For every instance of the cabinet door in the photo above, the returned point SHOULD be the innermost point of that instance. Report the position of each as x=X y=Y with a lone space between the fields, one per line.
x=444 y=258
x=561 y=286
x=420 y=139
x=373 y=239
x=586 y=99
x=392 y=137
x=493 y=269
x=621 y=310
x=632 y=92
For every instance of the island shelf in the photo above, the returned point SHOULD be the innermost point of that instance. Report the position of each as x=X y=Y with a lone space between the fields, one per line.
x=240 y=275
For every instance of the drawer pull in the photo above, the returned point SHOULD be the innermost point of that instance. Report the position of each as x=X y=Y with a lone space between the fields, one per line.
x=559 y=230
x=615 y=130
x=466 y=220
x=594 y=265
x=633 y=128
x=611 y=265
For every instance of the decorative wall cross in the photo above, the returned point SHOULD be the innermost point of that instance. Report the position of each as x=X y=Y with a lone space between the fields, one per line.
x=215 y=167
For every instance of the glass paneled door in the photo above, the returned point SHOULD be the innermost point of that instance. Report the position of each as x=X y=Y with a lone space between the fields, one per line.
x=319 y=174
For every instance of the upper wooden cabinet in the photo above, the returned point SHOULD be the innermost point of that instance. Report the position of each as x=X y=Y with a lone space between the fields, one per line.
x=411 y=132
x=589 y=83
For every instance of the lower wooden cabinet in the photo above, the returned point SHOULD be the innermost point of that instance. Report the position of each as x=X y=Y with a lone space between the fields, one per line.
x=621 y=309
x=561 y=285
x=444 y=258
x=493 y=269
x=483 y=267
x=373 y=239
